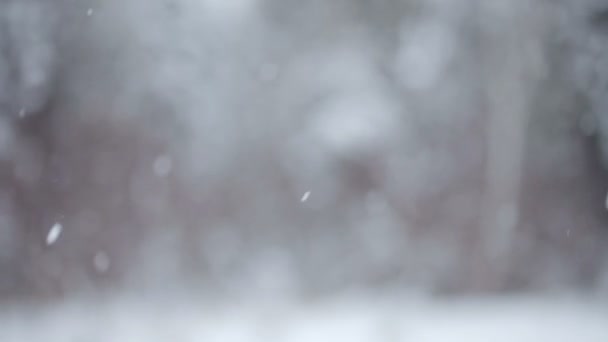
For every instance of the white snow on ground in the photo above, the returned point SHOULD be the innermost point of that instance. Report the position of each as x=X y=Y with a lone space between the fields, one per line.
x=353 y=320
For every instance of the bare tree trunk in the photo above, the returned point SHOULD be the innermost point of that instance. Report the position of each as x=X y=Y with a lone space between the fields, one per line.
x=511 y=57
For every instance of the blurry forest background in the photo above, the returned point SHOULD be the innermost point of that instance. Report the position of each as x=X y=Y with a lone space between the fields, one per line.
x=280 y=148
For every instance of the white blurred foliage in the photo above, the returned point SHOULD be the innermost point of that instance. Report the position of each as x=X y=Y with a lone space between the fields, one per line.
x=425 y=52
x=353 y=124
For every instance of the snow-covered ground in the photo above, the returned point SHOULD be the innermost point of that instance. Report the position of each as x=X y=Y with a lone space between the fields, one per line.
x=351 y=319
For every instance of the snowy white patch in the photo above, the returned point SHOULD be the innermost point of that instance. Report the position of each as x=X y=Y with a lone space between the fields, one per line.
x=101 y=261
x=353 y=124
x=356 y=320
x=163 y=166
x=54 y=233
x=305 y=197
x=424 y=56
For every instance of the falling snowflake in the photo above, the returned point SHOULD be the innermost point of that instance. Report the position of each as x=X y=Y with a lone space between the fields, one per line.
x=54 y=233
x=305 y=197
x=89 y=12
